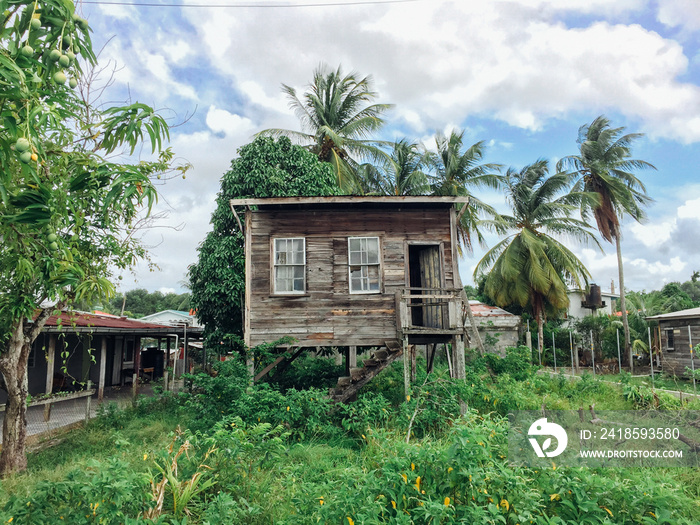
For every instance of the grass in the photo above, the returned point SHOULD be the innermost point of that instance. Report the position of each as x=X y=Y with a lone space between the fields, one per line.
x=357 y=470
x=102 y=439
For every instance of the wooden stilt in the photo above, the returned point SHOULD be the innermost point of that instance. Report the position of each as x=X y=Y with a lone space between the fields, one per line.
x=412 y=350
x=406 y=368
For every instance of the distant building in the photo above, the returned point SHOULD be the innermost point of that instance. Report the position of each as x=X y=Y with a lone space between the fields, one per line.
x=593 y=301
x=498 y=329
x=173 y=317
x=677 y=331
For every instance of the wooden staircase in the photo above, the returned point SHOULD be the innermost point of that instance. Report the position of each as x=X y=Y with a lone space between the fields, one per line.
x=348 y=386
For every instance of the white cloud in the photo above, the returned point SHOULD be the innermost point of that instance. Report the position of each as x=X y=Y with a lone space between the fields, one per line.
x=684 y=13
x=652 y=235
x=222 y=121
x=674 y=266
x=690 y=210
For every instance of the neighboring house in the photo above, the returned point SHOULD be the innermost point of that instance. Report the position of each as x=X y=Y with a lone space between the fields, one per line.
x=593 y=301
x=676 y=331
x=498 y=329
x=173 y=317
x=102 y=348
x=352 y=271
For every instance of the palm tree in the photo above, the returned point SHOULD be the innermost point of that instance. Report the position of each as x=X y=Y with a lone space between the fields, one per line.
x=604 y=166
x=529 y=266
x=456 y=172
x=336 y=120
x=401 y=172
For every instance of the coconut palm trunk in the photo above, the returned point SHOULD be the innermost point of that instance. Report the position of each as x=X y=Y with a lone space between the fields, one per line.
x=623 y=306
x=540 y=333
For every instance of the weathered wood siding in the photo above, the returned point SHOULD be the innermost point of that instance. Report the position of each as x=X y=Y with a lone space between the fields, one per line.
x=676 y=361
x=327 y=314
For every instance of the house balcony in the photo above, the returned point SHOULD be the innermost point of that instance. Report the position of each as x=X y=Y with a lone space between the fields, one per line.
x=429 y=315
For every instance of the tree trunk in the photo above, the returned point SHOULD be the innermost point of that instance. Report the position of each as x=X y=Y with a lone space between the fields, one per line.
x=472 y=321
x=623 y=306
x=540 y=334
x=13 y=366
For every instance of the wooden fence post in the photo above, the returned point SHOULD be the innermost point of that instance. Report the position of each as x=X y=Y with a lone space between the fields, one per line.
x=87 y=403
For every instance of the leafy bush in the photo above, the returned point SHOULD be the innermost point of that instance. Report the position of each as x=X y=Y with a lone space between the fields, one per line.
x=310 y=372
x=108 y=493
x=516 y=363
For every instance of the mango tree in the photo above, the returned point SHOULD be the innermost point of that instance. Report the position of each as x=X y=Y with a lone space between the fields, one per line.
x=66 y=212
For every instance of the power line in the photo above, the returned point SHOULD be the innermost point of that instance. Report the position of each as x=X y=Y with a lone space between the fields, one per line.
x=325 y=4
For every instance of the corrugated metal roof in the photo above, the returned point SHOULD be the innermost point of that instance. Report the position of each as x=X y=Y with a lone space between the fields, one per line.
x=98 y=323
x=480 y=309
x=97 y=320
x=353 y=200
x=681 y=314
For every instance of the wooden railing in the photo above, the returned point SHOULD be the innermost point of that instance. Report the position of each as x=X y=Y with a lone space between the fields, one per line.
x=429 y=311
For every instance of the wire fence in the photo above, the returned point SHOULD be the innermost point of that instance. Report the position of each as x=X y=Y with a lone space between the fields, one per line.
x=78 y=407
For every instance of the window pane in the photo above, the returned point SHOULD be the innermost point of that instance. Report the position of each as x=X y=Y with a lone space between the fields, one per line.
x=298 y=248
x=373 y=251
x=280 y=251
x=373 y=277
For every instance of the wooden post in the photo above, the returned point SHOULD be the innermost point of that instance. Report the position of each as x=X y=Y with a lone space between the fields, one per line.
x=165 y=380
x=352 y=357
x=103 y=369
x=651 y=357
x=50 y=365
x=406 y=368
x=692 y=359
x=137 y=366
x=250 y=364
x=412 y=350
x=87 y=403
x=134 y=387
x=571 y=346
x=460 y=365
x=592 y=352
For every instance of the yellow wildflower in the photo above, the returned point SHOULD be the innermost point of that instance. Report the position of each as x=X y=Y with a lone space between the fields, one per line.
x=505 y=504
x=145 y=457
x=413 y=467
x=363 y=436
x=608 y=511
x=320 y=500
x=553 y=497
x=287 y=409
x=350 y=522
x=650 y=512
x=447 y=501
x=418 y=483
x=393 y=504
x=408 y=398
x=449 y=470
x=10 y=520
x=405 y=477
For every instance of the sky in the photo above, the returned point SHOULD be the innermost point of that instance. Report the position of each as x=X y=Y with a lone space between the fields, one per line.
x=521 y=75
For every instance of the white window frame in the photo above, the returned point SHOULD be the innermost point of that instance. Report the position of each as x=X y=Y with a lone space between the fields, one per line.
x=365 y=267
x=670 y=336
x=276 y=265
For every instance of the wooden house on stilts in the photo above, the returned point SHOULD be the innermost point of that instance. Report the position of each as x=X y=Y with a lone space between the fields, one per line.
x=349 y=272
